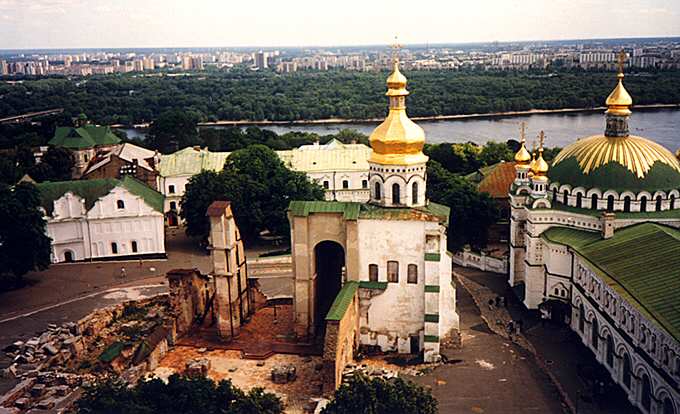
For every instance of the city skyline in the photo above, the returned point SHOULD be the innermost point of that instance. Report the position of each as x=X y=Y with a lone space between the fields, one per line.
x=40 y=24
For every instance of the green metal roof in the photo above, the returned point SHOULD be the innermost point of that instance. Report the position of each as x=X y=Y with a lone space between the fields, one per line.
x=672 y=214
x=342 y=301
x=92 y=190
x=191 y=161
x=87 y=136
x=640 y=262
x=354 y=211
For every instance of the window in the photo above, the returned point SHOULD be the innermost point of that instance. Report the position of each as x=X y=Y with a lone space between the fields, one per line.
x=412 y=275
x=646 y=394
x=626 y=370
x=396 y=196
x=345 y=184
x=643 y=204
x=414 y=193
x=114 y=248
x=555 y=195
x=120 y=204
x=171 y=189
x=68 y=256
x=173 y=205
x=393 y=271
x=364 y=183
x=610 y=203
x=566 y=197
x=626 y=204
x=134 y=246
x=593 y=202
x=377 y=191
x=579 y=198
x=326 y=184
x=672 y=202
x=595 y=334
x=373 y=272
x=581 y=318
x=668 y=406
x=658 y=203
x=610 y=351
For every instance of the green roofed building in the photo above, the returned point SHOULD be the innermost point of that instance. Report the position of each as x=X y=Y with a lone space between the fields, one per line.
x=103 y=219
x=595 y=244
x=84 y=141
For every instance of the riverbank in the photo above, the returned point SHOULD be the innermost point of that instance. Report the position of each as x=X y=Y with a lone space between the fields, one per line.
x=333 y=121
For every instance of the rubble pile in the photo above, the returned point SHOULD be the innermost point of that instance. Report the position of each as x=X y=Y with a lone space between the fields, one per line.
x=125 y=340
x=371 y=372
x=283 y=374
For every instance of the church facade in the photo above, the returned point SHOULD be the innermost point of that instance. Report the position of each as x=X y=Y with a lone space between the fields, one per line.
x=393 y=248
x=595 y=243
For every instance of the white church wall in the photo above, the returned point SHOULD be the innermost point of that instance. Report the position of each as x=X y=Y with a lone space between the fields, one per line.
x=398 y=312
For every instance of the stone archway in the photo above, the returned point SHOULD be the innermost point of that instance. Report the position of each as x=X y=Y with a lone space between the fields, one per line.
x=69 y=256
x=329 y=264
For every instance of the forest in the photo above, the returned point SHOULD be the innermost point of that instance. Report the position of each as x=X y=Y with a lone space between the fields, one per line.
x=243 y=95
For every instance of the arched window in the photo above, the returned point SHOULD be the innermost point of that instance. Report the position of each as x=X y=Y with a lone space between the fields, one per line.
x=68 y=256
x=581 y=318
x=646 y=393
x=120 y=204
x=658 y=203
x=672 y=201
x=626 y=204
x=610 y=351
x=114 y=248
x=414 y=193
x=555 y=195
x=377 y=191
x=593 y=202
x=595 y=334
x=393 y=271
x=610 y=203
x=579 y=198
x=345 y=184
x=566 y=197
x=626 y=370
x=134 y=246
x=373 y=272
x=643 y=204
x=412 y=275
x=668 y=406
x=396 y=196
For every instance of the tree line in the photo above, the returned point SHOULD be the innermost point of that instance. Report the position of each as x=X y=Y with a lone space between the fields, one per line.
x=242 y=95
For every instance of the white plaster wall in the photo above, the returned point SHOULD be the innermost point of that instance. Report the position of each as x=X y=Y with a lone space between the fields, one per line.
x=399 y=311
x=180 y=182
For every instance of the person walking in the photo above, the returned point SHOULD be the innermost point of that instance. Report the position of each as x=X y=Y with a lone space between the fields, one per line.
x=123 y=273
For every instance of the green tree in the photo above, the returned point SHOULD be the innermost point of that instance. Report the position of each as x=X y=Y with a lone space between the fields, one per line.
x=495 y=152
x=259 y=186
x=173 y=130
x=61 y=161
x=24 y=245
x=10 y=173
x=181 y=395
x=472 y=212
x=362 y=395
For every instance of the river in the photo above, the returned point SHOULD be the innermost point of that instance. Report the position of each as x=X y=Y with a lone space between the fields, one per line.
x=660 y=125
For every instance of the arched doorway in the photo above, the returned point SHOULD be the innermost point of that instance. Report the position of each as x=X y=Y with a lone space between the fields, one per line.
x=68 y=256
x=172 y=218
x=668 y=406
x=329 y=261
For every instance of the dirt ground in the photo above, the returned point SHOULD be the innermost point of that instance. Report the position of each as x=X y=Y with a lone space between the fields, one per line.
x=247 y=373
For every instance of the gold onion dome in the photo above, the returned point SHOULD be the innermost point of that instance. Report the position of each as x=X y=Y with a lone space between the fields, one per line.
x=397 y=140
x=617 y=160
x=539 y=166
x=523 y=157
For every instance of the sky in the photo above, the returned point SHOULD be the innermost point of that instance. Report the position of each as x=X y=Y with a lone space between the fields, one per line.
x=28 y=24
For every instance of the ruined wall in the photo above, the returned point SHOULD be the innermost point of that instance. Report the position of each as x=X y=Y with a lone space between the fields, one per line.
x=190 y=292
x=340 y=342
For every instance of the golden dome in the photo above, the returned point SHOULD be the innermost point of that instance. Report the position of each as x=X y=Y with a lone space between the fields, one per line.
x=397 y=140
x=635 y=153
x=522 y=157
x=619 y=101
x=540 y=166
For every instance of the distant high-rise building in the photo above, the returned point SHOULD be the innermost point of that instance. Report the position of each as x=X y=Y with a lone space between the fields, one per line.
x=138 y=65
x=4 y=69
x=261 y=60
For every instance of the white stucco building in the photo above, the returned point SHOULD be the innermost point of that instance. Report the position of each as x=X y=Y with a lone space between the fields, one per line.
x=103 y=219
x=595 y=241
x=341 y=169
x=388 y=254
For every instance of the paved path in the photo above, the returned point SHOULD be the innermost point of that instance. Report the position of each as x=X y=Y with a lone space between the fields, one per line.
x=489 y=374
x=566 y=358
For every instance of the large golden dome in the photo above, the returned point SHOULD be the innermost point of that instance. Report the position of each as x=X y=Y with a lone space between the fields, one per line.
x=397 y=140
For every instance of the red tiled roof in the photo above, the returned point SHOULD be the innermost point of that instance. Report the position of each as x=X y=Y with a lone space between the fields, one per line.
x=497 y=182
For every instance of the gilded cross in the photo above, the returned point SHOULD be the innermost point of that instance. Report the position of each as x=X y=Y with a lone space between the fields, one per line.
x=541 y=139
x=622 y=60
x=522 y=131
x=395 y=49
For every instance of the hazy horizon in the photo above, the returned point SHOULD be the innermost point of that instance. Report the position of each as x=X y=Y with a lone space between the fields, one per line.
x=98 y=24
